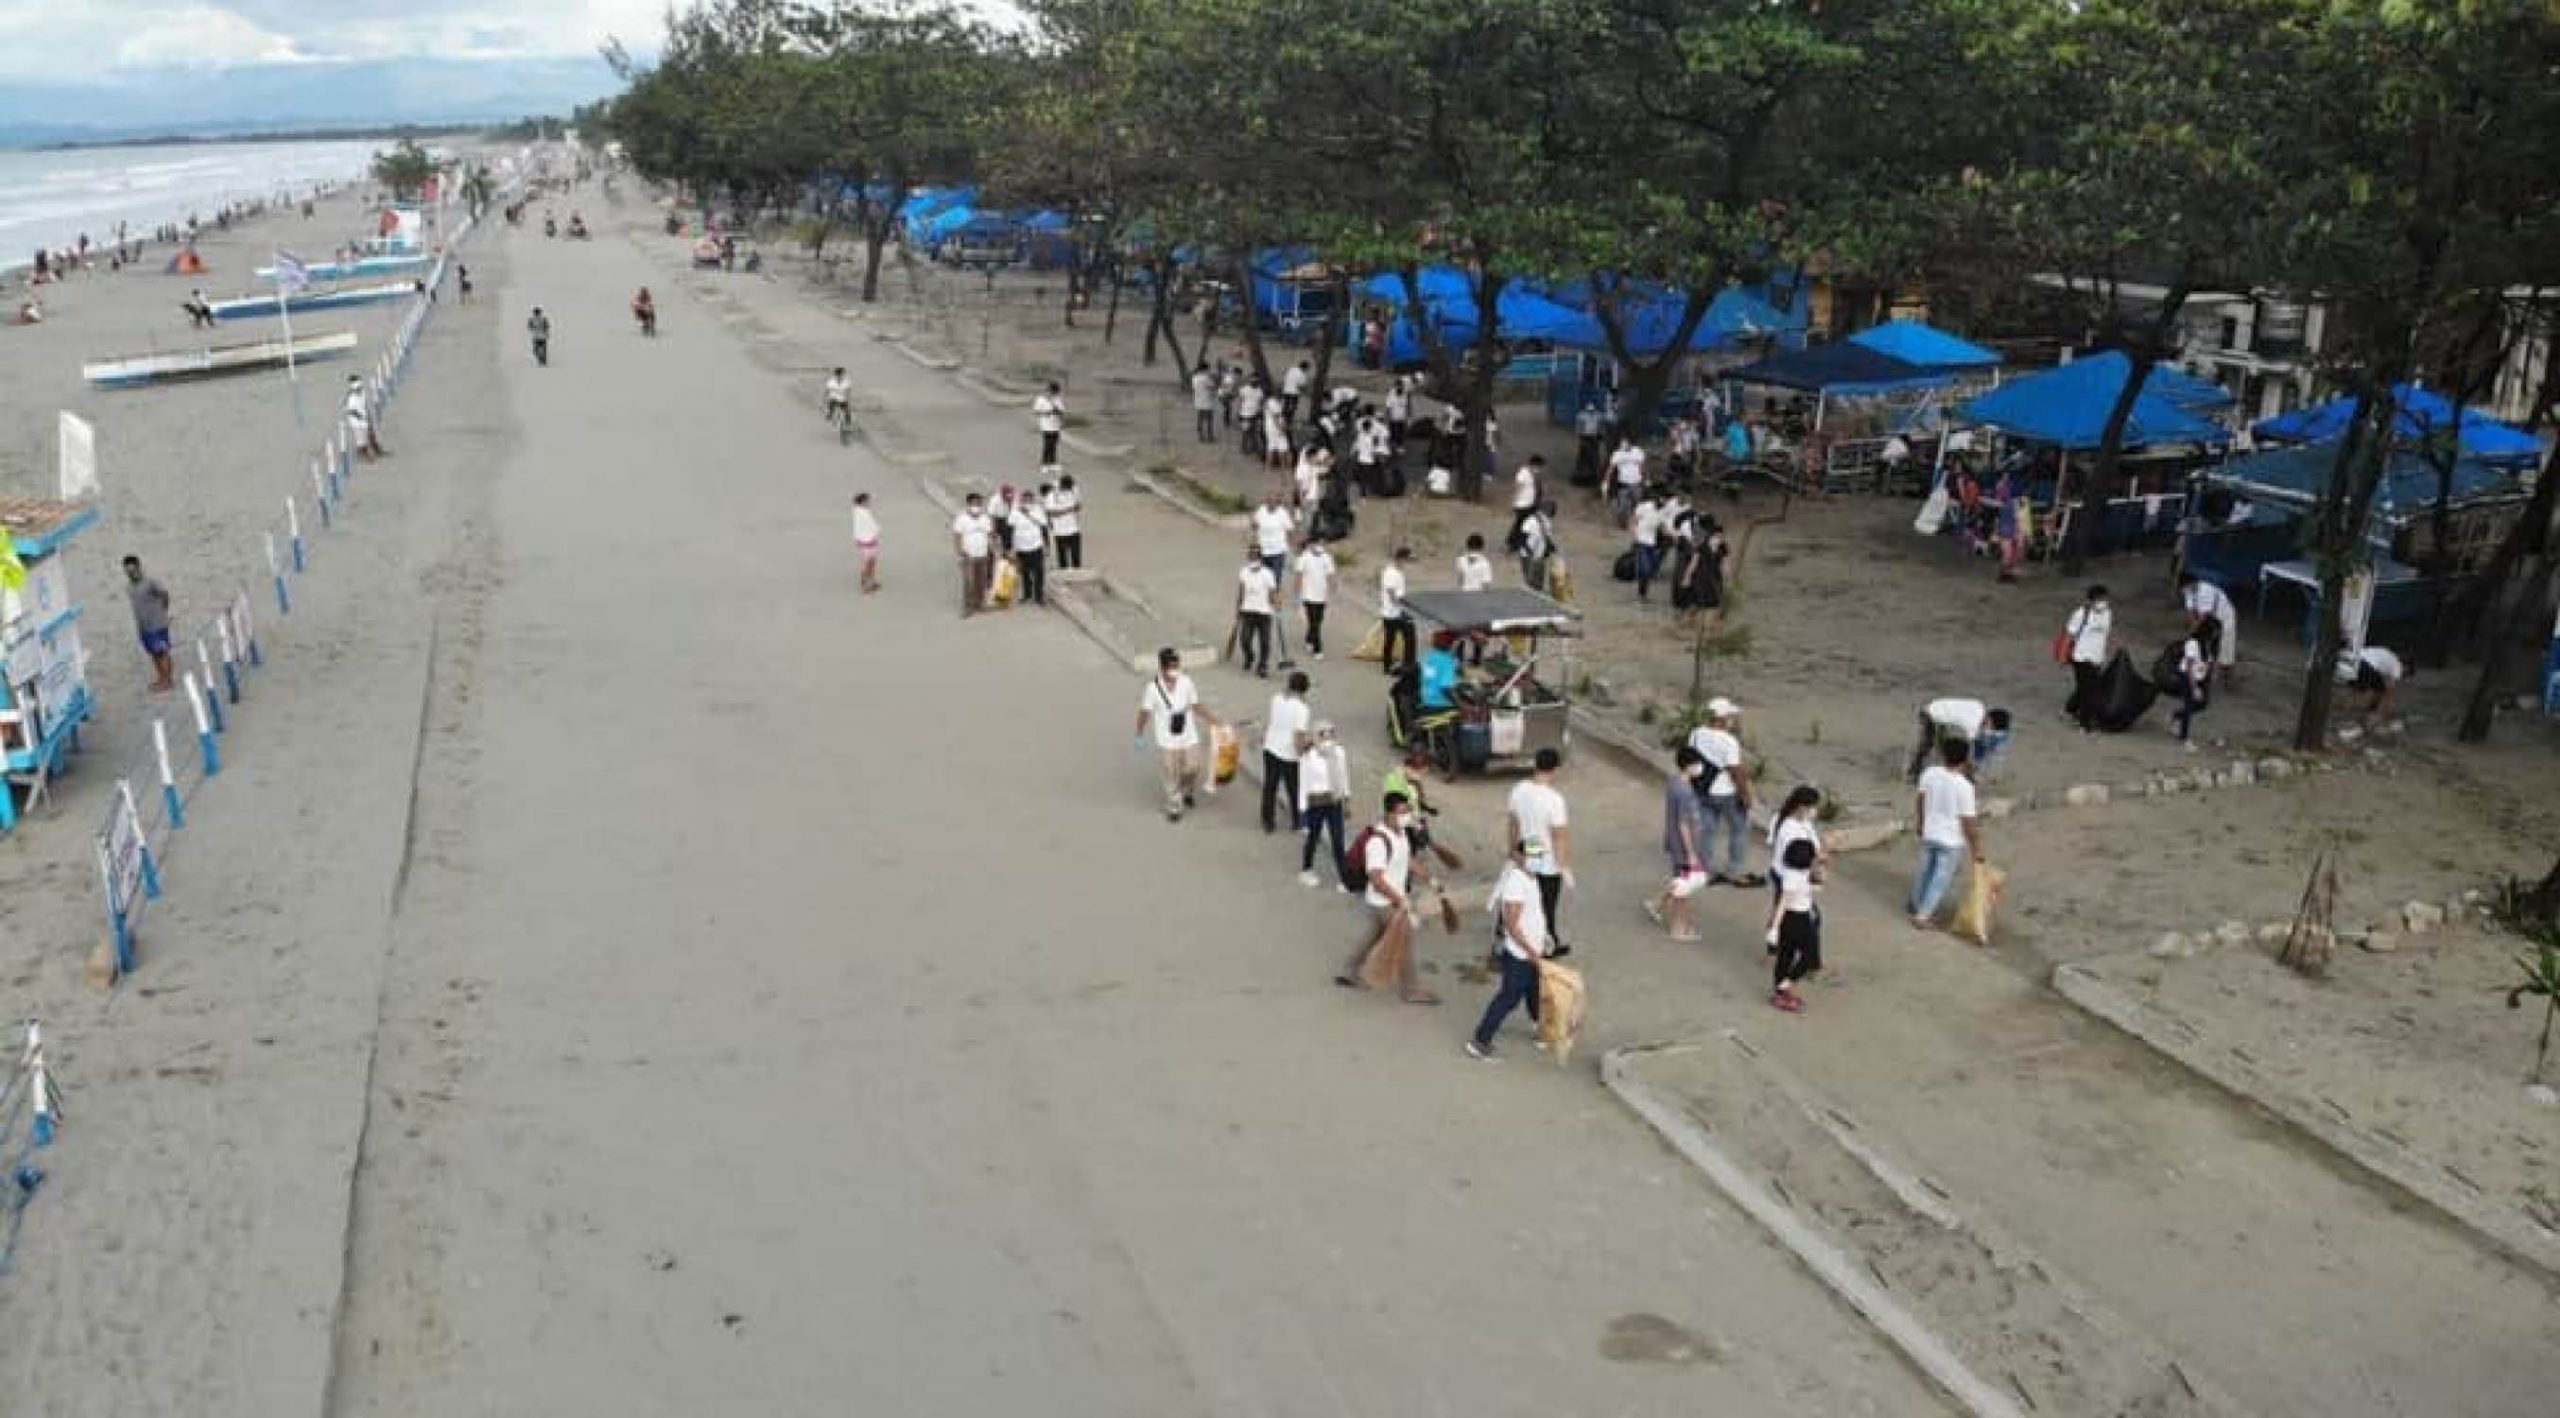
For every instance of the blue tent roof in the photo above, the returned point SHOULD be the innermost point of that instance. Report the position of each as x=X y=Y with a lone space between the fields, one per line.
x=1916 y=342
x=1842 y=367
x=942 y=222
x=1045 y=220
x=1440 y=285
x=925 y=201
x=2296 y=477
x=1449 y=298
x=2423 y=414
x=2068 y=406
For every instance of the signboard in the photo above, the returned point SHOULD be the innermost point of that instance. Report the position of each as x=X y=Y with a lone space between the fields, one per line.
x=79 y=458
x=62 y=668
x=120 y=852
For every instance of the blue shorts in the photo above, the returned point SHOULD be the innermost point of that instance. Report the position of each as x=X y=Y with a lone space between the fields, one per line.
x=155 y=642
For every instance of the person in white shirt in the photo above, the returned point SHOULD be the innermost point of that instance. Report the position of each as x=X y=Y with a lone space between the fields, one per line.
x=2205 y=601
x=2086 y=636
x=1204 y=402
x=1169 y=717
x=1795 y=925
x=1308 y=478
x=973 y=540
x=1256 y=585
x=1978 y=724
x=1590 y=435
x=1727 y=795
x=866 y=541
x=2375 y=673
x=1049 y=413
x=1286 y=733
x=1249 y=402
x=1230 y=384
x=1626 y=477
x=1293 y=387
x=1950 y=830
x=1030 y=528
x=2195 y=679
x=1273 y=525
x=1520 y=936
x=1644 y=528
x=1398 y=621
x=1275 y=434
x=1315 y=587
x=1324 y=790
x=1475 y=570
x=1065 y=506
x=361 y=433
x=1389 y=866
x=1526 y=486
x=1536 y=815
x=1537 y=549
x=839 y=395
x=1399 y=410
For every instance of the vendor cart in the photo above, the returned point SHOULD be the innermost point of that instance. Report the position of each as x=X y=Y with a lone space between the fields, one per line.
x=1498 y=714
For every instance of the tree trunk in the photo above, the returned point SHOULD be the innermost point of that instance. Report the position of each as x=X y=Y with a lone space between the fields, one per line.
x=2530 y=534
x=2338 y=545
x=1337 y=293
x=1111 y=307
x=2099 y=482
x=1158 y=299
x=1242 y=274
x=1479 y=404
x=2470 y=371
x=1651 y=377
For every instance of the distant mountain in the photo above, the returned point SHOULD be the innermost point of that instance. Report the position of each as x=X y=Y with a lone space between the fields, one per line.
x=264 y=98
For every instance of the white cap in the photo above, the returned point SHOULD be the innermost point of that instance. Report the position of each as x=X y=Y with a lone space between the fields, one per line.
x=1722 y=708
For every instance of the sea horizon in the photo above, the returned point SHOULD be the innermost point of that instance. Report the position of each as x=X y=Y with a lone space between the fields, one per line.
x=50 y=197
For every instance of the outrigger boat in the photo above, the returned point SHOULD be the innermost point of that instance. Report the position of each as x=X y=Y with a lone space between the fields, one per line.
x=263 y=306
x=357 y=269
x=125 y=371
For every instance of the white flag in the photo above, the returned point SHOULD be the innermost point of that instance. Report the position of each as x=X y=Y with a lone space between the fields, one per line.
x=291 y=274
x=79 y=458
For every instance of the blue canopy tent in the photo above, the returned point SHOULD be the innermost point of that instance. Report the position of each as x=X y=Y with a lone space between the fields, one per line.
x=1045 y=220
x=926 y=201
x=1842 y=368
x=1925 y=345
x=2067 y=407
x=2423 y=414
x=1449 y=302
x=941 y=223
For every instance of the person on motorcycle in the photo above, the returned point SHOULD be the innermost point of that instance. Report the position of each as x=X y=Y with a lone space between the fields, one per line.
x=644 y=309
x=839 y=396
x=540 y=328
x=577 y=226
x=550 y=225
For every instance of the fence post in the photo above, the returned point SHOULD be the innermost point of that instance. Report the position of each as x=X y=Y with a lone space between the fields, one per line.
x=320 y=494
x=169 y=795
x=206 y=662
x=206 y=748
x=293 y=530
x=40 y=1086
x=142 y=844
x=284 y=598
x=230 y=657
x=248 y=631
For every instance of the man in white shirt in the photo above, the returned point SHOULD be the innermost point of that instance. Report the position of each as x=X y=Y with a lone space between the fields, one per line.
x=2205 y=601
x=1536 y=817
x=973 y=540
x=1029 y=526
x=1726 y=795
x=1626 y=476
x=2086 y=635
x=1204 y=402
x=1286 y=732
x=1950 y=830
x=1293 y=387
x=1537 y=549
x=1049 y=412
x=1065 y=507
x=839 y=395
x=1520 y=937
x=1644 y=527
x=1590 y=435
x=1388 y=866
x=2375 y=673
x=1399 y=409
x=1169 y=715
x=1273 y=525
x=1392 y=614
x=361 y=432
x=1249 y=401
x=1475 y=569
x=1255 y=587
x=1315 y=588
x=1977 y=724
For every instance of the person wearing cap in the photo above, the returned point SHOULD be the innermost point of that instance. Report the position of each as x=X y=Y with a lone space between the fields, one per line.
x=1389 y=864
x=1520 y=940
x=1324 y=785
x=1727 y=793
x=1392 y=613
x=1536 y=815
x=1986 y=728
x=1285 y=737
x=1169 y=715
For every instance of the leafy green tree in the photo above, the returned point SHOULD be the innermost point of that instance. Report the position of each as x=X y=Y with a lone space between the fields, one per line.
x=405 y=169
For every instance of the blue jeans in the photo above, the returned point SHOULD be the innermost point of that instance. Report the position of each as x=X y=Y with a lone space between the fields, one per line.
x=1728 y=826
x=1519 y=987
x=1938 y=867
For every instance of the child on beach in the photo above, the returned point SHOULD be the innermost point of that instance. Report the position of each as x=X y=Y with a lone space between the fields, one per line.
x=1795 y=926
x=866 y=541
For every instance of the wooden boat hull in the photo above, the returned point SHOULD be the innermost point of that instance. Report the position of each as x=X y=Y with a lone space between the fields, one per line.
x=365 y=268
x=128 y=371
x=263 y=307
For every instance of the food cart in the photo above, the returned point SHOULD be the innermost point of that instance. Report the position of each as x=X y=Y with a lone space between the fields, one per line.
x=44 y=682
x=1496 y=715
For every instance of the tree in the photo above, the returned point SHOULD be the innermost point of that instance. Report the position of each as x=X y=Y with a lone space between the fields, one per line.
x=405 y=169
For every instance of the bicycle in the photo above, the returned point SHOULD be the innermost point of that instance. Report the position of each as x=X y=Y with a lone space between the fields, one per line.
x=840 y=413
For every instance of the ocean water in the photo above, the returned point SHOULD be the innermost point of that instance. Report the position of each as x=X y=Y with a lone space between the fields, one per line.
x=49 y=198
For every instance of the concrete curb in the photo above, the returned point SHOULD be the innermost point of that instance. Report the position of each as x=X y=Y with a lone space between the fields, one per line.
x=2510 y=1234
x=968 y=380
x=1091 y=449
x=937 y=363
x=1835 y=1270
x=1182 y=503
x=1008 y=388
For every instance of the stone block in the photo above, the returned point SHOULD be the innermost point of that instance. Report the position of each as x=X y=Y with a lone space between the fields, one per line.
x=2274 y=769
x=2380 y=942
x=2242 y=774
x=2232 y=933
x=2274 y=932
x=2173 y=945
x=2085 y=794
x=2420 y=917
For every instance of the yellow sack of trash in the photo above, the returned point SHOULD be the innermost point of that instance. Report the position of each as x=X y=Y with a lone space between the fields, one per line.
x=1560 y=582
x=1226 y=754
x=1559 y=1007
x=1982 y=887
x=1372 y=646
x=1005 y=586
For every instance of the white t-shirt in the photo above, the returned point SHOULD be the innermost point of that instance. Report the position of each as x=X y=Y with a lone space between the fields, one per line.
x=1204 y=391
x=1271 y=529
x=1064 y=507
x=1282 y=723
x=1162 y=702
x=1323 y=771
x=838 y=390
x=2384 y=663
x=1517 y=887
x=1275 y=429
x=1258 y=584
x=1946 y=799
x=1391 y=852
x=1722 y=751
x=1626 y=467
x=1540 y=811
x=1787 y=831
x=1646 y=524
x=1030 y=527
x=2191 y=661
x=2089 y=627
x=1896 y=450
x=1475 y=573
x=1295 y=381
x=1249 y=402
x=1534 y=538
x=1795 y=891
x=1315 y=576
x=1524 y=488
x=976 y=531
x=2206 y=599
x=866 y=528
x=1391 y=592
x=1961 y=717
x=1051 y=413
x=1399 y=404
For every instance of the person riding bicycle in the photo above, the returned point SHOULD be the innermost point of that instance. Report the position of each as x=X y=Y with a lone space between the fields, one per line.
x=839 y=396
x=540 y=328
x=644 y=308
x=550 y=225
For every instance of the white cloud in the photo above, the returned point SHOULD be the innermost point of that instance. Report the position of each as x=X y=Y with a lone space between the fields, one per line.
x=201 y=37
x=48 y=40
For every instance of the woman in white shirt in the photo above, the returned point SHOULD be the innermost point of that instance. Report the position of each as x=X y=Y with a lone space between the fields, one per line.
x=2195 y=678
x=1795 y=927
x=866 y=541
x=2085 y=645
x=1275 y=435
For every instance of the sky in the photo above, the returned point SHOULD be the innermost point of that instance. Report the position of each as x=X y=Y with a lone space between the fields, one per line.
x=58 y=43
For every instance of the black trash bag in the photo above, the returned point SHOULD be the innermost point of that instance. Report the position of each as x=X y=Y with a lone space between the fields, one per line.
x=2124 y=695
x=1624 y=568
x=1387 y=481
x=2168 y=669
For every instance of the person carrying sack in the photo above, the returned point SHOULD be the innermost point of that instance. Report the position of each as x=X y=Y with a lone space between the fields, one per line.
x=1384 y=856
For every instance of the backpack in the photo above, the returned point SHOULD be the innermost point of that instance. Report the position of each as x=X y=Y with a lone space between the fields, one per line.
x=1355 y=858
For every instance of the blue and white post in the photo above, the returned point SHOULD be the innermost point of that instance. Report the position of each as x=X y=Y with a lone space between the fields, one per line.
x=141 y=843
x=230 y=658
x=207 y=748
x=204 y=661
x=275 y=569
x=293 y=530
x=320 y=494
x=169 y=795
x=41 y=1095
x=246 y=629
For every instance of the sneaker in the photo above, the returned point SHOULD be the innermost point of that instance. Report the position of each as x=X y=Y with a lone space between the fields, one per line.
x=1482 y=1053
x=1786 y=1000
x=1189 y=801
x=1653 y=910
x=1560 y=952
x=1319 y=657
x=1307 y=878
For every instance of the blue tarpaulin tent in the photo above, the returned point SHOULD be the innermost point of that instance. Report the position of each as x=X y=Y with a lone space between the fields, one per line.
x=1649 y=314
x=1045 y=220
x=1843 y=368
x=2296 y=477
x=926 y=201
x=2423 y=413
x=1449 y=297
x=2067 y=407
x=1915 y=342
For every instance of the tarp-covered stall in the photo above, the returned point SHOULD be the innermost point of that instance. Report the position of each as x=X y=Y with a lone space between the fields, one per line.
x=2423 y=414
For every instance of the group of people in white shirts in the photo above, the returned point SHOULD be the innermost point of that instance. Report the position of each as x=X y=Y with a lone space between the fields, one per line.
x=1022 y=526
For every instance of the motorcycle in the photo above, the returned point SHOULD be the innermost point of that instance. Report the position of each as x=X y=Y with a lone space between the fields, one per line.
x=550 y=227
x=646 y=312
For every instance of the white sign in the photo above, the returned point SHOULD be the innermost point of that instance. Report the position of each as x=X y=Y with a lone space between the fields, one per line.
x=120 y=851
x=79 y=457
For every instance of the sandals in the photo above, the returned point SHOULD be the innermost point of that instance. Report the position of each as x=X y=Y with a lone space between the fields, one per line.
x=1747 y=880
x=1786 y=1000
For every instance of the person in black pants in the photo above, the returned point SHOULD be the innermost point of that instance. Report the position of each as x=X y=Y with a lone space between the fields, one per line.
x=1285 y=736
x=2086 y=637
x=1065 y=507
x=1391 y=612
x=1256 y=586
